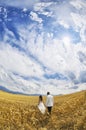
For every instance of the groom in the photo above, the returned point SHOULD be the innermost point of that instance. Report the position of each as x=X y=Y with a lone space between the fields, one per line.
x=49 y=102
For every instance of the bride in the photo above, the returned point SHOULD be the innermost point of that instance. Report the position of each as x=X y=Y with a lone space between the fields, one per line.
x=41 y=105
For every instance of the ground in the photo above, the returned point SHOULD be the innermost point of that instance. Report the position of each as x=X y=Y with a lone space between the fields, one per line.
x=19 y=112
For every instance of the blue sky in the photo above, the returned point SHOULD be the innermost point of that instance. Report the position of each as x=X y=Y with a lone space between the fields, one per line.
x=43 y=46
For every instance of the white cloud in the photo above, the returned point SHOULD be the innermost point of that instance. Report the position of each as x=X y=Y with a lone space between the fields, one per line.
x=35 y=17
x=56 y=55
x=62 y=14
x=41 y=8
x=64 y=24
x=80 y=24
x=18 y=62
x=16 y=83
x=59 y=56
x=25 y=9
x=78 y=4
x=79 y=20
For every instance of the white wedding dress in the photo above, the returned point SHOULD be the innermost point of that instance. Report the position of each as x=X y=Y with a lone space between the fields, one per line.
x=42 y=107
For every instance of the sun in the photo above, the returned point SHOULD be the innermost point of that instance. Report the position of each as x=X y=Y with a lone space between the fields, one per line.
x=66 y=39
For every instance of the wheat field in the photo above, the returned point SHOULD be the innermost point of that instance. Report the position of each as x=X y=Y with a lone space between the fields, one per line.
x=19 y=112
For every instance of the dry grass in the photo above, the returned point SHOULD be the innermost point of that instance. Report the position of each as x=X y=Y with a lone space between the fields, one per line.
x=18 y=112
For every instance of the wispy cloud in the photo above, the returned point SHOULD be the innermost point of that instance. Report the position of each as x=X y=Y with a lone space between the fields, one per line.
x=35 y=17
x=18 y=62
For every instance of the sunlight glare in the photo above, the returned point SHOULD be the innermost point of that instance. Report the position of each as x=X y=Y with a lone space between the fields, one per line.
x=66 y=39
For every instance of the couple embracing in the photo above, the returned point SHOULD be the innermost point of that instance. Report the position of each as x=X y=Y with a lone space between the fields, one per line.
x=48 y=104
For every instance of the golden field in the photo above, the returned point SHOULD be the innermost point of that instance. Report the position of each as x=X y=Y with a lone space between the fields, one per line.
x=19 y=112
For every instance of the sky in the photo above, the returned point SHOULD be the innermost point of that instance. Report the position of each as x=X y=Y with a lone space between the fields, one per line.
x=43 y=46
